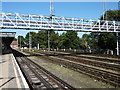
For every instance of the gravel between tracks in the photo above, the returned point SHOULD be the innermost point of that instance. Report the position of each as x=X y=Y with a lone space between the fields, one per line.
x=73 y=78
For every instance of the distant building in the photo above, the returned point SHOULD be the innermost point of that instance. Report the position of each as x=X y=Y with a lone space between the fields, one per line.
x=14 y=45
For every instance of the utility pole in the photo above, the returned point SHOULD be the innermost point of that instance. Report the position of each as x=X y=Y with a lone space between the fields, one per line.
x=20 y=42
x=48 y=40
x=117 y=35
x=104 y=9
x=50 y=8
x=30 y=42
x=50 y=20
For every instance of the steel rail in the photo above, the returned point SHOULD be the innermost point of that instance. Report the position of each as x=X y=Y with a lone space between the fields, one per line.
x=109 y=77
x=37 y=71
x=66 y=86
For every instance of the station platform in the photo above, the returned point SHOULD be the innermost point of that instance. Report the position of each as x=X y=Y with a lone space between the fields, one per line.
x=10 y=73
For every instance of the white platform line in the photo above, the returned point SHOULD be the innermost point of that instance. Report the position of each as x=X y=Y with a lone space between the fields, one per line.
x=20 y=72
x=17 y=79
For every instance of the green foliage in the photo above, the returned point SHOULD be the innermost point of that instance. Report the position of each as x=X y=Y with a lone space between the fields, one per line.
x=33 y=38
x=21 y=41
x=70 y=40
x=100 y=41
x=90 y=41
x=112 y=15
x=66 y=40
x=107 y=41
x=54 y=39
x=103 y=40
x=15 y=39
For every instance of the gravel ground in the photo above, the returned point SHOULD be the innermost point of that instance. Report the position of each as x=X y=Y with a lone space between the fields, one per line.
x=73 y=78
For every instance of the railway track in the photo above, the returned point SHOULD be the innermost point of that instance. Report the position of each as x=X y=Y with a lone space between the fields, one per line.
x=111 y=60
x=98 y=62
x=91 y=56
x=38 y=77
x=98 y=73
x=106 y=65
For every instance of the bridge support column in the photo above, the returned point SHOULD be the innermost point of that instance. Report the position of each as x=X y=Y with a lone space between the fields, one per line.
x=117 y=43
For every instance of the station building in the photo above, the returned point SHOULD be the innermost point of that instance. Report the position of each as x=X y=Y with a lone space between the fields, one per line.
x=6 y=39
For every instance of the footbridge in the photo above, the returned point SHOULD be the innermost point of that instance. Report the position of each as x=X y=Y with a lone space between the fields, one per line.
x=42 y=22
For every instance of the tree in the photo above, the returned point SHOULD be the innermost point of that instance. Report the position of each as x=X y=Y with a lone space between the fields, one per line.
x=42 y=38
x=70 y=40
x=90 y=40
x=66 y=40
x=54 y=39
x=86 y=39
x=107 y=41
x=112 y=15
x=21 y=41
x=15 y=39
x=32 y=36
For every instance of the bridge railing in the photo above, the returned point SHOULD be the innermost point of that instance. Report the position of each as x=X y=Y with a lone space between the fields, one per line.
x=41 y=22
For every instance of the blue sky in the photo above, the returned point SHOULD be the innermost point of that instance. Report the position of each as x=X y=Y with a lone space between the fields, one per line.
x=86 y=10
x=59 y=0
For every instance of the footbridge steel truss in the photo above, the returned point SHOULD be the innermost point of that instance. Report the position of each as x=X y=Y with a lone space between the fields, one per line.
x=42 y=22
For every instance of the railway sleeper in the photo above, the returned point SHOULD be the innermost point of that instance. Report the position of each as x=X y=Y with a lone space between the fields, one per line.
x=102 y=59
x=88 y=70
x=99 y=64
x=81 y=68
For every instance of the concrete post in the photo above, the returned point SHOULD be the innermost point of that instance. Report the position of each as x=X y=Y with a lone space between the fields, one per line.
x=117 y=43
x=38 y=47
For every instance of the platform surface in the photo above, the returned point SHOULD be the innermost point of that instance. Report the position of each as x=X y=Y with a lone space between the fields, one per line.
x=10 y=76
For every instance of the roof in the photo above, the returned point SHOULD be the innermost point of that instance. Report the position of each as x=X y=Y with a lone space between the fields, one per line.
x=7 y=34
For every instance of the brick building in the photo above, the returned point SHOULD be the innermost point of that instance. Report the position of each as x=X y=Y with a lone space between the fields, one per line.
x=14 y=45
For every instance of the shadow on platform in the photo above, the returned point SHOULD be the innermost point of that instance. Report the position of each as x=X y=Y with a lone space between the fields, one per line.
x=11 y=78
x=2 y=62
x=6 y=52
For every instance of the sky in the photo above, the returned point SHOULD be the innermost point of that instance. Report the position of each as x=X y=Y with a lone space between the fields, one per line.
x=85 y=10
x=59 y=0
